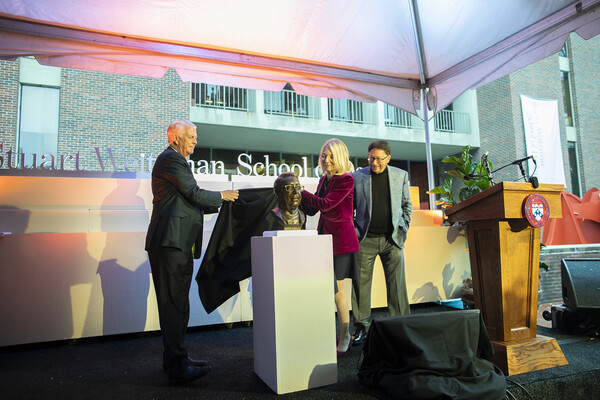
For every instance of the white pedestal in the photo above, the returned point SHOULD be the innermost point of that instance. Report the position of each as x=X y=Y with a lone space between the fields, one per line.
x=294 y=320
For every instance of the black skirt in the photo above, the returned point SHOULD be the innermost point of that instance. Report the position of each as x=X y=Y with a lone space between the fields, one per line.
x=344 y=266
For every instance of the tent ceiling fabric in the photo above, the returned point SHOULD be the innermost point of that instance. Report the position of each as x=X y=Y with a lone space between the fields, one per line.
x=353 y=49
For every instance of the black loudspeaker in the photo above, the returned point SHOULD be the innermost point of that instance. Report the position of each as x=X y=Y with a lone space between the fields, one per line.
x=581 y=282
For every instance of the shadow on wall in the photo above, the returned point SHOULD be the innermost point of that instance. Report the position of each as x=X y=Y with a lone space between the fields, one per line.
x=451 y=290
x=430 y=292
x=123 y=268
x=427 y=292
x=38 y=281
x=454 y=232
x=13 y=220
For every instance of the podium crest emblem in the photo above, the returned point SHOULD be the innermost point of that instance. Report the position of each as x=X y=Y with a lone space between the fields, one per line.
x=536 y=210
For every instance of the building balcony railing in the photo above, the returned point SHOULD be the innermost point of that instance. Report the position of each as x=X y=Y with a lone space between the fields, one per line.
x=395 y=117
x=215 y=96
x=288 y=103
x=452 y=121
x=350 y=111
x=291 y=104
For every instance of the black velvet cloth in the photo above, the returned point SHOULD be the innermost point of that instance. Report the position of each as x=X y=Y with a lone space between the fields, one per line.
x=442 y=355
x=227 y=259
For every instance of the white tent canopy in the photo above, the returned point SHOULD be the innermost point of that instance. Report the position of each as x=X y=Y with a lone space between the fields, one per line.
x=388 y=50
x=384 y=50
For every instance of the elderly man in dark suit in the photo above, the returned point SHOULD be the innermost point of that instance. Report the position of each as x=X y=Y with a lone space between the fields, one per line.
x=383 y=211
x=174 y=239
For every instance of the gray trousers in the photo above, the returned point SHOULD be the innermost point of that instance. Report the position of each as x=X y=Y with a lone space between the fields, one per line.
x=392 y=259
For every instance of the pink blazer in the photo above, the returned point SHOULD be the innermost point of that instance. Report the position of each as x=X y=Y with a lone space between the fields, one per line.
x=337 y=211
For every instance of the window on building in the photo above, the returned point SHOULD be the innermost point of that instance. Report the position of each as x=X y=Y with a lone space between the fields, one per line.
x=568 y=105
x=38 y=121
x=208 y=160
x=224 y=161
x=574 y=168
x=300 y=164
x=359 y=162
x=399 y=164
x=345 y=110
x=216 y=96
x=287 y=102
x=443 y=120
x=450 y=120
x=397 y=118
x=419 y=177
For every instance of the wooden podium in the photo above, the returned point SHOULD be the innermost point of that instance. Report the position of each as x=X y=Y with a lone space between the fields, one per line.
x=504 y=250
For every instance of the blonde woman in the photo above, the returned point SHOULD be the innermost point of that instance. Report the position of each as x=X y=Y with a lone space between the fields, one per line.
x=334 y=199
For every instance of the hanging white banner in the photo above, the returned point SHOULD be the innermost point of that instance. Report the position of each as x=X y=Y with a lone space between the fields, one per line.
x=542 y=138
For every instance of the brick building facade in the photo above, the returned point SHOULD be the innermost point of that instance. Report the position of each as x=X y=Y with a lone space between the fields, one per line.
x=9 y=93
x=501 y=119
x=586 y=102
x=102 y=111
x=118 y=111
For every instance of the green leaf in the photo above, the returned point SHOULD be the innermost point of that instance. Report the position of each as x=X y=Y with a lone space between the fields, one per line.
x=437 y=190
x=456 y=174
x=451 y=159
x=446 y=191
x=448 y=185
x=463 y=165
x=466 y=160
x=467 y=192
x=483 y=183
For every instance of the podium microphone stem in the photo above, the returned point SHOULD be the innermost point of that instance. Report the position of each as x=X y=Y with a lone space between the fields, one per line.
x=522 y=171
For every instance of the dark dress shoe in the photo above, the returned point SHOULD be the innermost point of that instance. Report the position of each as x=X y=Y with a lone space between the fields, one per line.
x=188 y=374
x=359 y=336
x=198 y=363
x=195 y=363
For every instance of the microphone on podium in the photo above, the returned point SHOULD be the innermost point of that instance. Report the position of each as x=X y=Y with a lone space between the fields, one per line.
x=486 y=166
x=534 y=179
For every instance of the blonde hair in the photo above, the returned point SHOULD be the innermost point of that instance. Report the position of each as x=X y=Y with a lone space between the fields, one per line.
x=179 y=127
x=341 y=158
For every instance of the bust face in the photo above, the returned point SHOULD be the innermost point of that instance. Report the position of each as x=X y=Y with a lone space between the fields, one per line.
x=288 y=192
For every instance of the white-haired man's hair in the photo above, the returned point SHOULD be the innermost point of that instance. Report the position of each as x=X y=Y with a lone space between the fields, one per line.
x=178 y=128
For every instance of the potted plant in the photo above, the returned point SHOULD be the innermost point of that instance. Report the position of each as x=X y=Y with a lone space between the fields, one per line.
x=471 y=174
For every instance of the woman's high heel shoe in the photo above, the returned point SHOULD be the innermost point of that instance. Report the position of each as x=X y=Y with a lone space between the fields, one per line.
x=343 y=353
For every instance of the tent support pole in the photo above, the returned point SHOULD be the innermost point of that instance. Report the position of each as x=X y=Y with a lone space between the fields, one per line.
x=428 y=150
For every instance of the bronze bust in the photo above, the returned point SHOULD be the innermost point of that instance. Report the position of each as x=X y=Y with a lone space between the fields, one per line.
x=288 y=191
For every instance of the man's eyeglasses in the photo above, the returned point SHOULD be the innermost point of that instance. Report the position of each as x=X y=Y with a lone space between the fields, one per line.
x=293 y=188
x=377 y=159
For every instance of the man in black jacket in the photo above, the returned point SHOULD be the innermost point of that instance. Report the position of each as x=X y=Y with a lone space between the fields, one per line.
x=174 y=239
